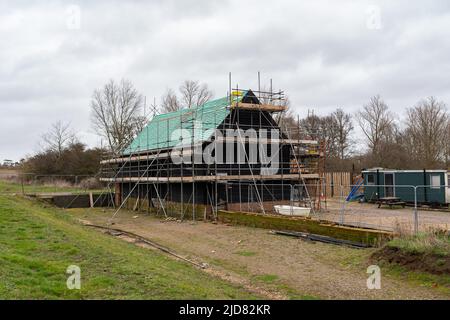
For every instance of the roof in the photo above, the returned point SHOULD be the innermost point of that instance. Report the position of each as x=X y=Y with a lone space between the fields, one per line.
x=401 y=171
x=163 y=131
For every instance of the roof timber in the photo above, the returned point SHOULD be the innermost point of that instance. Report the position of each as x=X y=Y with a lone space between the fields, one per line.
x=256 y=106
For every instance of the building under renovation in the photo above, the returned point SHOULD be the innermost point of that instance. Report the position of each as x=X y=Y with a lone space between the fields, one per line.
x=233 y=153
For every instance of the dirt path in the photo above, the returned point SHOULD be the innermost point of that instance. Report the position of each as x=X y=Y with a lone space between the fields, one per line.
x=284 y=267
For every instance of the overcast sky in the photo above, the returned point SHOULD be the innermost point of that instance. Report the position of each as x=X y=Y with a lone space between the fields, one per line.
x=324 y=54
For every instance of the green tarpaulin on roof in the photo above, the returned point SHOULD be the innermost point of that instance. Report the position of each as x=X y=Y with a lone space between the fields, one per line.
x=163 y=131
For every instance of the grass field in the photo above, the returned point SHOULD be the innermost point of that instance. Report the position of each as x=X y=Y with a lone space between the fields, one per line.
x=8 y=187
x=423 y=243
x=38 y=243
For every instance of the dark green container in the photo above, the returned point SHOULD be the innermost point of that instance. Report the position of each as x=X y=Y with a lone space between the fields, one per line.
x=432 y=185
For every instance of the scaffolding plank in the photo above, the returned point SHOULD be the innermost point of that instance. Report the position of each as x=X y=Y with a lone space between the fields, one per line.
x=268 y=140
x=255 y=106
x=186 y=150
x=213 y=178
x=177 y=153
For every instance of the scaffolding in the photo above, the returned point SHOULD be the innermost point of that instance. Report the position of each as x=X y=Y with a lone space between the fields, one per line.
x=146 y=177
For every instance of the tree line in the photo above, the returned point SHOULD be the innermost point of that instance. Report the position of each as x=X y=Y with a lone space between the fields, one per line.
x=63 y=154
x=371 y=137
x=118 y=114
x=375 y=137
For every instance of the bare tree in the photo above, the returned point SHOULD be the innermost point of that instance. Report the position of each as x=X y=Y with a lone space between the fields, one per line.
x=343 y=126
x=139 y=124
x=392 y=153
x=376 y=122
x=58 y=137
x=323 y=129
x=312 y=125
x=192 y=94
x=286 y=118
x=328 y=133
x=447 y=145
x=427 y=132
x=169 y=102
x=116 y=113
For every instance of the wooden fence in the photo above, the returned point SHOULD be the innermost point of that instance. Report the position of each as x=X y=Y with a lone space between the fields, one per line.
x=334 y=181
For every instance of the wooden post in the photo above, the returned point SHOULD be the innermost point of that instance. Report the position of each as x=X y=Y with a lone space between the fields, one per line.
x=118 y=194
x=21 y=182
x=91 y=200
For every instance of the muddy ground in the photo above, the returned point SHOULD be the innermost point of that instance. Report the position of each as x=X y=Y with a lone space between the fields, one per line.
x=276 y=266
x=427 y=262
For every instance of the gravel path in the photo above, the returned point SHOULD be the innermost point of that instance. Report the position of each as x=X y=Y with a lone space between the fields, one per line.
x=369 y=215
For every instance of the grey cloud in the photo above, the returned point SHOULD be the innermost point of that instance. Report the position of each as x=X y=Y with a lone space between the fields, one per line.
x=321 y=53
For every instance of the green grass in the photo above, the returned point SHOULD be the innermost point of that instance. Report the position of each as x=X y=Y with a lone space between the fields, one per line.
x=294 y=295
x=431 y=244
x=245 y=253
x=268 y=278
x=274 y=281
x=423 y=279
x=423 y=243
x=14 y=187
x=37 y=244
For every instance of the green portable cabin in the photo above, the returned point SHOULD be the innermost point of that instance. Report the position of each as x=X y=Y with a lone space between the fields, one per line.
x=432 y=185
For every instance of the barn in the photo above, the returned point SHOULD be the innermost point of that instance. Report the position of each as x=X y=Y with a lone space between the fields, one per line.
x=229 y=153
